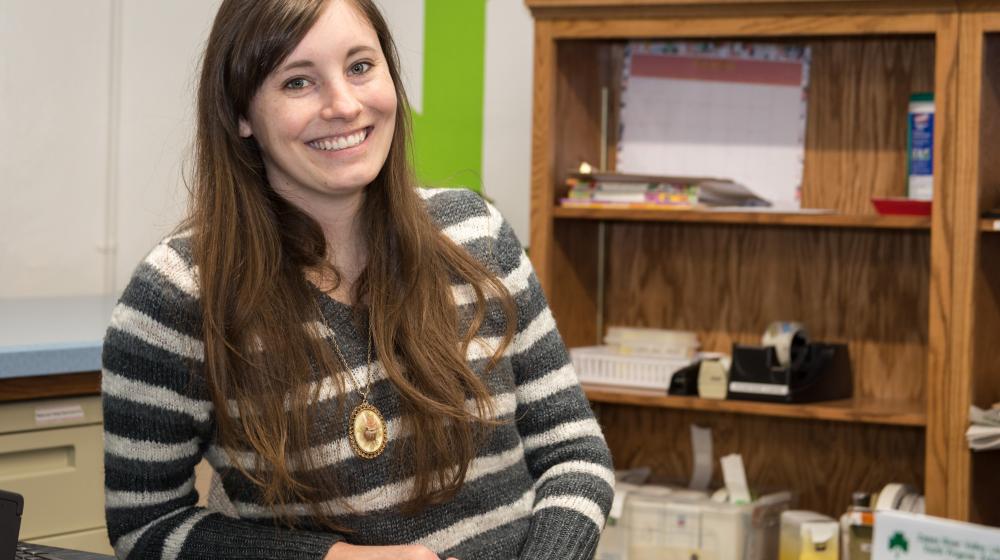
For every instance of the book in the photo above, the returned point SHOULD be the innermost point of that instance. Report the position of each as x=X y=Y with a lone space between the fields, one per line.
x=652 y=190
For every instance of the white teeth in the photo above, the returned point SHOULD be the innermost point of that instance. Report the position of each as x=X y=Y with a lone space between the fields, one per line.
x=340 y=142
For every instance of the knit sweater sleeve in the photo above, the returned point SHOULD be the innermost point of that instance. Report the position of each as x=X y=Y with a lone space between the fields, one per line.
x=158 y=425
x=564 y=447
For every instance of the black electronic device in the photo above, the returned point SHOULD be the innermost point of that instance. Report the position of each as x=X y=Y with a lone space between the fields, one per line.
x=11 y=508
x=819 y=372
x=685 y=380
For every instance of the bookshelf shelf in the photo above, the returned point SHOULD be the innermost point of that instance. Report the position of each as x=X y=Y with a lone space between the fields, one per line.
x=888 y=413
x=989 y=225
x=746 y=218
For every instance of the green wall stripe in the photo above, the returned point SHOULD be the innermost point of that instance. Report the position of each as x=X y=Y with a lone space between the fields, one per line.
x=448 y=136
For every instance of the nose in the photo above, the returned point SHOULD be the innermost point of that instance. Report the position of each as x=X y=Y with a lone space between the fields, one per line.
x=340 y=101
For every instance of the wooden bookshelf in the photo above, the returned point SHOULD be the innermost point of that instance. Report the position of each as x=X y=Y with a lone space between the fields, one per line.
x=749 y=218
x=891 y=413
x=973 y=484
x=916 y=300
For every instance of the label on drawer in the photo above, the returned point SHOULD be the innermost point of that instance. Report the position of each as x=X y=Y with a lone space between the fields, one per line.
x=54 y=414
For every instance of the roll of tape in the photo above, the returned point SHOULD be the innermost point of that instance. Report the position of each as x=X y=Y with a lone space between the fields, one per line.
x=787 y=338
x=892 y=495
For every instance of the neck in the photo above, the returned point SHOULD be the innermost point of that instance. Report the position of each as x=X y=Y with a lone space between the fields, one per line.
x=339 y=216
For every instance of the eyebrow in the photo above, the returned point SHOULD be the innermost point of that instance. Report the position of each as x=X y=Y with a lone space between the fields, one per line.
x=309 y=64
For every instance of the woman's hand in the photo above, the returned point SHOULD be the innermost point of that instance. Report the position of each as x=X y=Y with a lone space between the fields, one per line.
x=344 y=551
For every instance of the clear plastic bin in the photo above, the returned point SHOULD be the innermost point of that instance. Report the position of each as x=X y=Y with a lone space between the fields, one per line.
x=672 y=524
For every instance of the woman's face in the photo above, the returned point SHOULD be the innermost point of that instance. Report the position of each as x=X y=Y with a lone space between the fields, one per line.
x=324 y=118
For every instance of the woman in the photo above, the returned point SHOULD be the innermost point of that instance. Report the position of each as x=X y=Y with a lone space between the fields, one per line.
x=370 y=367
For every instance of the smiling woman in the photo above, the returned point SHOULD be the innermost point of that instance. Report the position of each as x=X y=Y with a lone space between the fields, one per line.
x=325 y=118
x=371 y=367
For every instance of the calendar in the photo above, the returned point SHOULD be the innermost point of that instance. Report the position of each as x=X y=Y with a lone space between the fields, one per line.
x=728 y=110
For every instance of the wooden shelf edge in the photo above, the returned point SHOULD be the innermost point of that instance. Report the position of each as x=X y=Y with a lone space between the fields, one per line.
x=745 y=218
x=847 y=410
x=50 y=386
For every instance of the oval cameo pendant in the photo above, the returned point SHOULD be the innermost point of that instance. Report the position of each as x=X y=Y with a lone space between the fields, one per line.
x=368 y=431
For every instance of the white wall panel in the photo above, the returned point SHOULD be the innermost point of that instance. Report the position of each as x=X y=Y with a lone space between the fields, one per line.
x=161 y=47
x=406 y=23
x=507 y=111
x=54 y=83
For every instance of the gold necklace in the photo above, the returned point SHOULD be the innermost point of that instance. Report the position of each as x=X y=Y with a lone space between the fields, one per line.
x=367 y=432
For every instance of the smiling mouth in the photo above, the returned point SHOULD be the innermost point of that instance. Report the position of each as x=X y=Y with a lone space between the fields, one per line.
x=337 y=143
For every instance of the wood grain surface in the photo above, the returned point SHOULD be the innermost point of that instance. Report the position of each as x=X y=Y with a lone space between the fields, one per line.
x=859 y=92
x=865 y=288
x=975 y=486
x=822 y=462
x=765 y=23
x=986 y=364
x=543 y=152
x=574 y=288
x=989 y=120
x=917 y=305
x=584 y=68
x=952 y=251
x=787 y=5
x=985 y=492
x=727 y=217
x=895 y=413
x=50 y=386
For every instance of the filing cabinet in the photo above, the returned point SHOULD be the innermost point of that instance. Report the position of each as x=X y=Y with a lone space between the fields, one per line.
x=51 y=452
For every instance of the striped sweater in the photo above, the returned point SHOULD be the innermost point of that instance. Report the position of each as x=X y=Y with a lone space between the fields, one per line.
x=540 y=487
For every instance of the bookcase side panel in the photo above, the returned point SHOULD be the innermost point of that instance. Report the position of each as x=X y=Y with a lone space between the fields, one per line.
x=573 y=295
x=985 y=488
x=984 y=484
x=989 y=123
x=584 y=68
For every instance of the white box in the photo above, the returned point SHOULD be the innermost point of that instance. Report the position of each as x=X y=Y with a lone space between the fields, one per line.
x=910 y=536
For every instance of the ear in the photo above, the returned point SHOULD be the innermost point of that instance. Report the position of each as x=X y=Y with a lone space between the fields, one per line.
x=245 y=130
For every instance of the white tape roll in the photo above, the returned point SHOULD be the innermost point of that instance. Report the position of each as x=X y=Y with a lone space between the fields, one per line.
x=892 y=496
x=783 y=336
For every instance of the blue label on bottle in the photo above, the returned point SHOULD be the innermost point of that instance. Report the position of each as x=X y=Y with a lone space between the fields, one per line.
x=921 y=143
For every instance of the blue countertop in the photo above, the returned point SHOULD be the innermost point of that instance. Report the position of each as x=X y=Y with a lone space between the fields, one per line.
x=47 y=336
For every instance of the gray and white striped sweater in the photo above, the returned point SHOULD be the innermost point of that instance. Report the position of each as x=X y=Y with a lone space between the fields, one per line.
x=540 y=488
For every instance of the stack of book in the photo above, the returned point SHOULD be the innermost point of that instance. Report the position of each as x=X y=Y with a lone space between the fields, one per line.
x=623 y=190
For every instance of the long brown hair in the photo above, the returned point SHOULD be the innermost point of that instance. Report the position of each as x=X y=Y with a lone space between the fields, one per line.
x=252 y=249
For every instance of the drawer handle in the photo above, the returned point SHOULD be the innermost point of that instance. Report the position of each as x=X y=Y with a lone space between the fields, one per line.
x=37 y=462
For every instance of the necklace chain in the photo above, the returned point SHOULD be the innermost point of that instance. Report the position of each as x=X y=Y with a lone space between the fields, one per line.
x=366 y=388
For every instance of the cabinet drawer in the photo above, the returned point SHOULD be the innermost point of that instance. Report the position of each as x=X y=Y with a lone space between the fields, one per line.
x=94 y=540
x=60 y=474
x=50 y=413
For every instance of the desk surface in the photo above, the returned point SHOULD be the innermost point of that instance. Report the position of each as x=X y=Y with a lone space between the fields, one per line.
x=46 y=336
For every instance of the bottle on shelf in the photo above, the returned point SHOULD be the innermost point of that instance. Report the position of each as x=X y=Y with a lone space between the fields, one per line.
x=856 y=527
